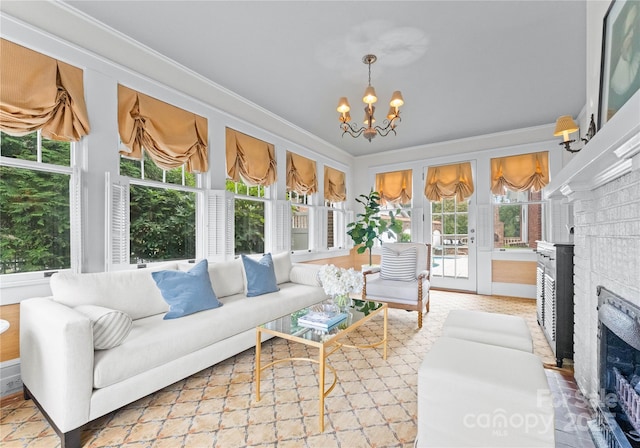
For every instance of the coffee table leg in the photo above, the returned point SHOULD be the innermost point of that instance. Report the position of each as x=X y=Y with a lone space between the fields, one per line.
x=258 y=350
x=321 y=386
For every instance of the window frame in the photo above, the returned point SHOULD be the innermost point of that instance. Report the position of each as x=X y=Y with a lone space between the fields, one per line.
x=265 y=198
x=75 y=211
x=524 y=206
x=341 y=225
x=142 y=182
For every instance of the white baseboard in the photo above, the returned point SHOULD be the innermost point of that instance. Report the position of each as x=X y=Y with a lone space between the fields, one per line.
x=513 y=290
x=10 y=380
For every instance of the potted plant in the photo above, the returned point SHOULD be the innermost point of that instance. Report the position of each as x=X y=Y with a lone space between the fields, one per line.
x=369 y=226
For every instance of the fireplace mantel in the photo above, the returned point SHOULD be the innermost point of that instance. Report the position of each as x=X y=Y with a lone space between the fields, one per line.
x=613 y=152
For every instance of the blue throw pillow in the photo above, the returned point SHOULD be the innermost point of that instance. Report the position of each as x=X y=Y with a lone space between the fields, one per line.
x=261 y=277
x=186 y=292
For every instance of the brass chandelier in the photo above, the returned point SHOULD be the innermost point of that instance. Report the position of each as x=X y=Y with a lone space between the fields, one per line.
x=368 y=129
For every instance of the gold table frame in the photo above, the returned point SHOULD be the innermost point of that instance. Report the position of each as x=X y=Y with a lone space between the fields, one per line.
x=325 y=349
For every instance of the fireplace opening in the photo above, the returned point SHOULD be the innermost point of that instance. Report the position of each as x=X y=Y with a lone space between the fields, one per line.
x=618 y=412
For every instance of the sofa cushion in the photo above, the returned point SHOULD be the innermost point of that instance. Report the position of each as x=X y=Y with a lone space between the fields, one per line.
x=110 y=327
x=132 y=291
x=282 y=266
x=395 y=291
x=154 y=342
x=306 y=274
x=186 y=292
x=227 y=277
x=260 y=275
x=398 y=265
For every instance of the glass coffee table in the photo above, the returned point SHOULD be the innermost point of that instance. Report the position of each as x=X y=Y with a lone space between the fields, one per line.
x=326 y=340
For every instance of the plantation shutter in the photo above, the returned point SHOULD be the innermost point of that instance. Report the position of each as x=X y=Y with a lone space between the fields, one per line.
x=171 y=136
x=449 y=181
x=282 y=222
x=250 y=160
x=117 y=250
x=394 y=187
x=75 y=199
x=520 y=173
x=335 y=188
x=220 y=222
x=350 y=217
x=301 y=174
x=39 y=92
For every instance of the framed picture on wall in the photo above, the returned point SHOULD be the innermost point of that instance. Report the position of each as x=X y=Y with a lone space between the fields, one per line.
x=620 y=65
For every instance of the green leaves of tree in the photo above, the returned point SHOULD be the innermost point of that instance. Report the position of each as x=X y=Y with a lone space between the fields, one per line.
x=369 y=226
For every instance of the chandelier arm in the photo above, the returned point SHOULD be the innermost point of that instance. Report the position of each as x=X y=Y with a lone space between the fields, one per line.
x=383 y=132
x=351 y=130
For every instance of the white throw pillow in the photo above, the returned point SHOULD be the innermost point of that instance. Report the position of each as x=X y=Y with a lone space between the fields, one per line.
x=110 y=327
x=400 y=266
x=282 y=266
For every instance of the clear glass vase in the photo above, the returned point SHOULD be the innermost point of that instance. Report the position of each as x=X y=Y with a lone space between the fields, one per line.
x=343 y=302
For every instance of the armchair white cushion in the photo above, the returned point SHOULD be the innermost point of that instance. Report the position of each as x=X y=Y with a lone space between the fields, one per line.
x=410 y=294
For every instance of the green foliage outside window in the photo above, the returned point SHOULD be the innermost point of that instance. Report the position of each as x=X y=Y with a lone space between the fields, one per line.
x=248 y=218
x=34 y=208
x=162 y=221
x=510 y=216
x=453 y=216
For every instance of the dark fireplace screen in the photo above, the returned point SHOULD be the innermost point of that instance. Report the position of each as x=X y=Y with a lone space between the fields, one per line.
x=618 y=413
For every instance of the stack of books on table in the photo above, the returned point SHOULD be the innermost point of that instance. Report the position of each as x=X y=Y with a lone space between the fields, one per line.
x=320 y=320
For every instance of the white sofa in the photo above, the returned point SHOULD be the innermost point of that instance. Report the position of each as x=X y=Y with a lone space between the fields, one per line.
x=73 y=384
x=480 y=385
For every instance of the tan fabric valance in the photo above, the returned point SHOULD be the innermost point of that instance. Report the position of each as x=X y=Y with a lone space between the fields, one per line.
x=301 y=174
x=335 y=187
x=520 y=173
x=394 y=187
x=250 y=160
x=170 y=135
x=39 y=92
x=448 y=181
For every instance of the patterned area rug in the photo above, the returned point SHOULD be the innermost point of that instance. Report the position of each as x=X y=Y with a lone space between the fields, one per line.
x=373 y=404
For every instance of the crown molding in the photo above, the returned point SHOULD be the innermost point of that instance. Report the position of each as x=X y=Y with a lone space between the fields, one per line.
x=66 y=24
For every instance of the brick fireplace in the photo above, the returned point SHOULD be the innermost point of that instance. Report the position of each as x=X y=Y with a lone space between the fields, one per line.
x=600 y=186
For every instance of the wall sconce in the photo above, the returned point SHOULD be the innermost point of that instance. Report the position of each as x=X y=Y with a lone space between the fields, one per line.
x=565 y=126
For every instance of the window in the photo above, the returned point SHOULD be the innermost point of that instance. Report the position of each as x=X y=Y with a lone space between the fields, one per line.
x=516 y=182
x=517 y=219
x=450 y=232
x=249 y=217
x=335 y=194
x=395 y=198
x=35 y=203
x=300 y=219
x=336 y=225
x=162 y=211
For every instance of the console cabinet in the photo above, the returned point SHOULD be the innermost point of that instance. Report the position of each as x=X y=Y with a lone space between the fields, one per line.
x=554 y=297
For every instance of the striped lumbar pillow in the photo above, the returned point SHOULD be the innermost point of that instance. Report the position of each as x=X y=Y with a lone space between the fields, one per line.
x=110 y=327
x=399 y=266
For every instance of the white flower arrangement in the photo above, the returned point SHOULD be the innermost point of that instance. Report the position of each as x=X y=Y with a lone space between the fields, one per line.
x=339 y=281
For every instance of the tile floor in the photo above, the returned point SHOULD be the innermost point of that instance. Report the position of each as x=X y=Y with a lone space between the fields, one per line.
x=373 y=405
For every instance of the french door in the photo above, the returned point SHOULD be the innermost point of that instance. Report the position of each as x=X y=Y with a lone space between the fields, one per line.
x=452 y=233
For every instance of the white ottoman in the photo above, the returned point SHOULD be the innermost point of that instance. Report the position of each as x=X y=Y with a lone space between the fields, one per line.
x=489 y=328
x=478 y=395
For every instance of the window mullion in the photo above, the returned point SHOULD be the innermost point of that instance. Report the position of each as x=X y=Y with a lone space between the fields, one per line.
x=39 y=146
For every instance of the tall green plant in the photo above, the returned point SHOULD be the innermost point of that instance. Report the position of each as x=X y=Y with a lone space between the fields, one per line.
x=369 y=226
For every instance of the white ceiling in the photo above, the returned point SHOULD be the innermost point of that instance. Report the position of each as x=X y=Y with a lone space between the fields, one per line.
x=465 y=68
